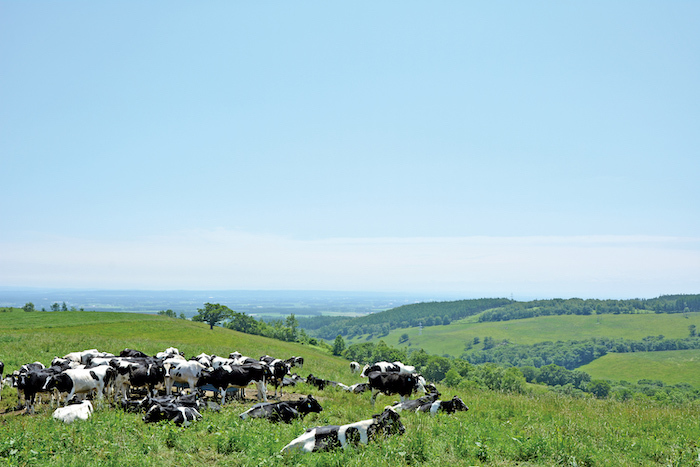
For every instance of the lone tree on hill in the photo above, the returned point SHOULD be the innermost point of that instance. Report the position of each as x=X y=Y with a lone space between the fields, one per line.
x=213 y=314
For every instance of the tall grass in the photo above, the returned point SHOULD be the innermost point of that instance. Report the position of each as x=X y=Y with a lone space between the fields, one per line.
x=499 y=429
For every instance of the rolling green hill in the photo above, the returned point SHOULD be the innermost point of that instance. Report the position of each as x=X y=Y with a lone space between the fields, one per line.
x=672 y=367
x=452 y=339
x=534 y=429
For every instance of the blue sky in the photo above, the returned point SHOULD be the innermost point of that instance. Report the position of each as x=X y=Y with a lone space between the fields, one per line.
x=541 y=149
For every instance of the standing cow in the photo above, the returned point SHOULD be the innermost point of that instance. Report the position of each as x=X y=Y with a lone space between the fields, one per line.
x=395 y=383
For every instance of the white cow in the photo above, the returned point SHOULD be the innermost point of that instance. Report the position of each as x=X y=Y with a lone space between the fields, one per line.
x=73 y=412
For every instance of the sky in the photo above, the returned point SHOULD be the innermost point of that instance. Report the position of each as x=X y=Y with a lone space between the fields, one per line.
x=525 y=149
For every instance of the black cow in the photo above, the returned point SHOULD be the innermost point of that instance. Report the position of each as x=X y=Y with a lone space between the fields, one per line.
x=148 y=376
x=451 y=406
x=180 y=415
x=2 y=369
x=237 y=376
x=285 y=411
x=317 y=382
x=395 y=383
x=325 y=438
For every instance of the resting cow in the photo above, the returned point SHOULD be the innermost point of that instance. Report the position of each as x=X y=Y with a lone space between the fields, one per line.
x=177 y=414
x=284 y=411
x=2 y=369
x=72 y=412
x=413 y=404
x=451 y=406
x=325 y=438
x=395 y=383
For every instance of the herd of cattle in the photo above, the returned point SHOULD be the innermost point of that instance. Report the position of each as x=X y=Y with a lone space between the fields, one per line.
x=135 y=381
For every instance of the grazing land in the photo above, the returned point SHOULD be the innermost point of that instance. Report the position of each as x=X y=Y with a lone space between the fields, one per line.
x=672 y=367
x=533 y=429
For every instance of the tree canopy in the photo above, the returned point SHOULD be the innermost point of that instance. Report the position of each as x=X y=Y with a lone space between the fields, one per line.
x=213 y=313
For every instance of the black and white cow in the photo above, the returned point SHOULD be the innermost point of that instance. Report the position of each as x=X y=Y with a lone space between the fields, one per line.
x=72 y=412
x=295 y=362
x=278 y=370
x=387 y=367
x=358 y=388
x=138 y=374
x=30 y=383
x=2 y=379
x=325 y=438
x=355 y=367
x=451 y=406
x=183 y=371
x=237 y=376
x=285 y=411
x=83 y=381
x=132 y=353
x=180 y=415
x=402 y=384
x=414 y=404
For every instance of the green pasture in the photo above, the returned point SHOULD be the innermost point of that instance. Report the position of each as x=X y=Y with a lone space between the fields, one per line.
x=536 y=429
x=452 y=339
x=671 y=367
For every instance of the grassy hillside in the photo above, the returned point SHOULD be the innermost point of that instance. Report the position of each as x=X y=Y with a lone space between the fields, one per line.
x=673 y=367
x=452 y=338
x=500 y=429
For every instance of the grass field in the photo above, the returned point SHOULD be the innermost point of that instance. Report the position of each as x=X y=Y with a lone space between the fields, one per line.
x=672 y=367
x=451 y=339
x=538 y=429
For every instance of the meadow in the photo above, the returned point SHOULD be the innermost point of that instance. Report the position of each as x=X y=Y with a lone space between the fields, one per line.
x=451 y=339
x=672 y=367
x=533 y=429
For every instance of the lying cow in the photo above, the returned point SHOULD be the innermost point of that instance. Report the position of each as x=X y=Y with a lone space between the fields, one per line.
x=320 y=383
x=284 y=411
x=177 y=414
x=132 y=353
x=325 y=438
x=358 y=388
x=395 y=383
x=2 y=369
x=72 y=412
x=414 y=404
x=451 y=406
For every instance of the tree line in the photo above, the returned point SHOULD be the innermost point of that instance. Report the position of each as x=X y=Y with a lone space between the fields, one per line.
x=489 y=309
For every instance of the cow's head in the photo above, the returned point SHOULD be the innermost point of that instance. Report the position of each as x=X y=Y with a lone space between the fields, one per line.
x=154 y=414
x=310 y=405
x=458 y=404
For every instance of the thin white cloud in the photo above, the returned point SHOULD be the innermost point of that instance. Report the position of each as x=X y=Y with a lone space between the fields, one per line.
x=586 y=266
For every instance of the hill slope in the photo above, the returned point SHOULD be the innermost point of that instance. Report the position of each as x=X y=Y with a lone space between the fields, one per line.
x=500 y=429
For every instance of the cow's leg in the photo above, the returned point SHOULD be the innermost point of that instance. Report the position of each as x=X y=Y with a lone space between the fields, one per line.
x=223 y=395
x=374 y=396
